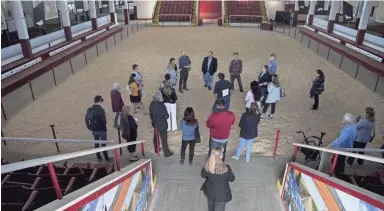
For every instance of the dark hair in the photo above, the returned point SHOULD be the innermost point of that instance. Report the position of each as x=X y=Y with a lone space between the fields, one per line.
x=98 y=99
x=255 y=90
x=210 y=52
x=220 y=102
x=221 y=76
x=370 y=114
x=235 y=53
x=274 y=55
x=134 y=66
x=167 y=76
x=189 y=116
x=172 y=59
x=321 y=74
x=132 y=78
x=266 y=67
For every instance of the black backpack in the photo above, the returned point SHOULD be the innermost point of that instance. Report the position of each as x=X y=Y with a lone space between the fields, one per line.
x=91 y=119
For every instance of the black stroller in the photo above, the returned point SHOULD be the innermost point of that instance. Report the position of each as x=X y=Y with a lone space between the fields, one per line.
x=311 y=154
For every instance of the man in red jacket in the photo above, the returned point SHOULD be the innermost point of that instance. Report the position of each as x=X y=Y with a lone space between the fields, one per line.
x=220 y=124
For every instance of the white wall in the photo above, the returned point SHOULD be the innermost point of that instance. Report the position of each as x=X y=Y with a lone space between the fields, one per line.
x=273 y=6
x=145 y=9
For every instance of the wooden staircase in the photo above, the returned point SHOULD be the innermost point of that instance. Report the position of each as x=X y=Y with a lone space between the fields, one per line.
x=194 y=23
x=156 y=14
x=226 y=15
x=263 y=11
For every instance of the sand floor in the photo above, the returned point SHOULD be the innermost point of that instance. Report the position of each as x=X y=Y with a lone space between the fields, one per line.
x=151 y=48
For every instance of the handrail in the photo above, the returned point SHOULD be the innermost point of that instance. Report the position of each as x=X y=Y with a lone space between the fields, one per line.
x=259 y=16
x=360 y=150
x=55 y=158
x=54 y=140
x=340 y=152
x=190 y=17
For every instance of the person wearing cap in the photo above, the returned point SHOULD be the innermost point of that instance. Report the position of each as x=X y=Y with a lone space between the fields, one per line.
x=272 y=64
x=223 y=90
x=117 y=103
x=100 y=133
x=345 y=140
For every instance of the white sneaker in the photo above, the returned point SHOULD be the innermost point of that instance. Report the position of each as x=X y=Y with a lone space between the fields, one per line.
x=234 y=157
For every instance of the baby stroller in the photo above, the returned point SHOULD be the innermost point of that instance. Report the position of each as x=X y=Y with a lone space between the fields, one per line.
x=311 y=154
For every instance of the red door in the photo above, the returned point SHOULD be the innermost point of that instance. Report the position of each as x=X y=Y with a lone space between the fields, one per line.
x=210 y=9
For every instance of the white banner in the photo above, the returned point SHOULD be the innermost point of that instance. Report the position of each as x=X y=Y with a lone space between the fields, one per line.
x=380 y=13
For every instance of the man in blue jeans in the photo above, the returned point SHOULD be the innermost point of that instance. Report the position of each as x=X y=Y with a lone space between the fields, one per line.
x=223 y=90
x=96 y=121
x=209 y=67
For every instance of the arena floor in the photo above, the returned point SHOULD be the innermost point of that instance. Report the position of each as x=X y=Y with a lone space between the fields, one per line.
x=151 y=48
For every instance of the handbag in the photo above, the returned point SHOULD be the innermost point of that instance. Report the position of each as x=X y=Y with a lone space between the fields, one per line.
x=197 y=136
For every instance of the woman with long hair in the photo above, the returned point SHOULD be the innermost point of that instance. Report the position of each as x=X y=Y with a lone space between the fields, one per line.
x=128 y=127
x=264 y=79
x=249 y=124
x=188 y=126
x=364 y=133
x=135 y=96
x=170 y=97
x=172 y=71
x=317 y=88
x=253 y=95
x=217 y=176
x=273 y=96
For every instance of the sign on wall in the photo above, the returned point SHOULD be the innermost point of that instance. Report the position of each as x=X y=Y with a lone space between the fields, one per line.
x=380 y=13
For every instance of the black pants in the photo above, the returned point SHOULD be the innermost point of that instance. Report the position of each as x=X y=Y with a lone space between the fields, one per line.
x=214 y=144
x=264 y=94
x=163 y=135
x=273 y=108
x=183 y=79
x=340 y=165
x=131 y=148
x=100 y=136
x=316 y=104
x=357 y=145
x=216 y=205
x=238 y=78
x=184 y=145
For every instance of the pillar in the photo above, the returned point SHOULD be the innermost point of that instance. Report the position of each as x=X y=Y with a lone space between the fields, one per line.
x=295 y=13
x=126 y=12
x=112 y=11
x=222 y=10
x=92 y=13
x=335 y=6
x=64 y=14
x=21 y=27
x=358 y=15
x=366 y=10
x=100 y=6
x=311 y=12
x=86 y=8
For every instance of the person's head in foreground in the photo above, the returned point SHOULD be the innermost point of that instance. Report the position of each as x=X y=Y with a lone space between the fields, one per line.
x=275 y=80
x=183 y=53
x=135 y=67
x=272 y=57
x=348 y=119
x=126 y=110
x=220 y=103
x=320 y=73
x=255 y=108
x=214 y=164
x=132 y=78
x=116 y=86
x=98 y=100
x=167 y=77
x=157 y=96
x=254 y=85
x=264 y=68
x=235 y=55
x=221 y=76
x=370 y=114
x=210 y=54
x=189 y=115
x=172 y=61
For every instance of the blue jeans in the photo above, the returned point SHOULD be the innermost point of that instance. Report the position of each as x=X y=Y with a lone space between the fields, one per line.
x=115 y=122
x=100 y=135
x=208 y=79
x=227 y=100
x=244 y=142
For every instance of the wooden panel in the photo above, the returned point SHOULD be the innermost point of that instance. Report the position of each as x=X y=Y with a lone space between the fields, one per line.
x=91 y=54
x=334 y=58
x=78 y=62
x=16 y=100
x=101 y=48
x=42 y=84
x=349 y=67
x=367 y=77
x=62 y=72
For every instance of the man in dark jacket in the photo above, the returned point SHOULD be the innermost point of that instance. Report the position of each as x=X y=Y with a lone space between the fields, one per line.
x=209 y=68
x=235 y=70
x=223 y=90
x=100 y=131
x=185 y=66
x=159 y=115
x=117 y=102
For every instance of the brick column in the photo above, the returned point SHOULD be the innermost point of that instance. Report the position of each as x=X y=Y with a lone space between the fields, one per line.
x=311 y=12
x=367 y=5
x=295 y=13
x=126 y=12
x=64 y=14
x=112 y=11
x=92 y=13
x=21 y=27
x=335 y=6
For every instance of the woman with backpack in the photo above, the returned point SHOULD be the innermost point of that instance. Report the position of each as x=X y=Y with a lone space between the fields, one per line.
x=264 y=79
x=249 y=124
x=170 y=97
x=253 y=95
x=364 y=133
x=128 y=127
x=273 y=96
x=317 y=88
x=217 y=176
x=172 y=71
x=188 y=126
x=135 y=96
x=117 y=102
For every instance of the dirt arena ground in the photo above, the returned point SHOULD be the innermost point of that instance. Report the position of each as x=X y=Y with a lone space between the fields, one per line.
x=151 y=48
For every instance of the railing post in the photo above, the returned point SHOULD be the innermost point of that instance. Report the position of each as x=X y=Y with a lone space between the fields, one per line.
x=137 y=26
x=132 y=29
x=295 y=153
x=276 y=143
x=54 y=136
x=30 y=87
x=2 y=135
x=118 y=135
x=55 y=181
x=331 y=173
x=2 y=110
x=142 y=150
x=157 y=142
x=322 y=159
x=117 y=159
